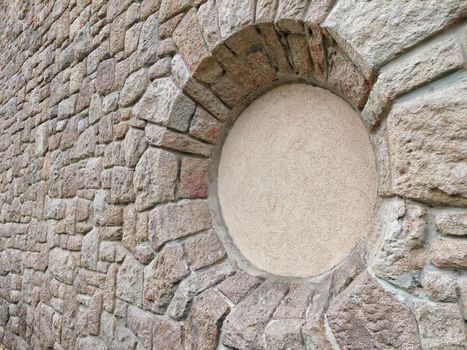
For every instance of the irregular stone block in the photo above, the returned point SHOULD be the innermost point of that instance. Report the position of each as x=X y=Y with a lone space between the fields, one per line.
x=244 y=327
x=155 y=178
x=452 y=224
x=161 y=276
x=134 y=146
x=377 y=31
x=449 y=252
x=233 y=15
x=365 y=316
x=204 y=250
x=86 y=343
x=440 y=286
x=130 y=281
x=194 y=285
x=238 y=286
x=204 y=126
x=134 y=87
x=284 y=334
x=90 y=249
x=164 y=103
x=175 y=220
x=400 y=256
x=105 y=77
x=148 y=41
x=162 y=137
x=62 y=265
x=204 y=320
x=441 y=325
x=121 y=190
x=295 y=304
x=189 y=39
x=435 y=121
x=207 y=17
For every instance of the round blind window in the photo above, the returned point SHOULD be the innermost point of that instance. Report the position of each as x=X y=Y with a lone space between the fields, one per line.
x=297 y=181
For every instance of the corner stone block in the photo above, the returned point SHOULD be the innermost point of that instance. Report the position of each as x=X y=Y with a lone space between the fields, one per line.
x=365 y=316
x=428 y=141
x=176 y=220
x=164 y=103
x=233 y=15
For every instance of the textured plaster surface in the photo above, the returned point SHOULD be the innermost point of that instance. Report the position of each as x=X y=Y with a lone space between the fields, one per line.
x=297 y=180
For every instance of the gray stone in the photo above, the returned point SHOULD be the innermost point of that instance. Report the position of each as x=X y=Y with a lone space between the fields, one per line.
x=204 y=320
x=175 y=220
x=204 y=250
x=161 y=276
x=121 y=190
x=365 y=316
x=238 y=286
x=400 y=256
x=148 y=41
x=296 y=302
x=62 y=265
x=284 y=334
x=155 y=178
x=452 y=224
x=233 y=15
x=130 y=281
x=164 y=103
x=244 y=327
x=90 y=249
x=194 y=285
x=90 y=343
x=377 y=31
x=441 y=325
x=134 y=87
x=434 y=121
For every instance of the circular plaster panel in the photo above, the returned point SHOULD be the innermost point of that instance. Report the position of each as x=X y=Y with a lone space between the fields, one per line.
x=297 y=181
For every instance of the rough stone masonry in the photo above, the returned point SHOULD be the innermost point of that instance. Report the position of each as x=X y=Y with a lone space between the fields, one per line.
x=112 y=114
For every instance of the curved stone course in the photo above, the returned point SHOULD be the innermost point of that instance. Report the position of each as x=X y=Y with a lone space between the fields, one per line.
x=112 y=118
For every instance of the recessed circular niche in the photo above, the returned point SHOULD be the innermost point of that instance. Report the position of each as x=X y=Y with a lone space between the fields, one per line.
x=297 y=181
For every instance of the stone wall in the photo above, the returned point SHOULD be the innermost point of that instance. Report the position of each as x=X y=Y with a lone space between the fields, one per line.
x=112 y=115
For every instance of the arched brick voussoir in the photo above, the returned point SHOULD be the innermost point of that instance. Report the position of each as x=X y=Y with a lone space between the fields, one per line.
x=223 y=74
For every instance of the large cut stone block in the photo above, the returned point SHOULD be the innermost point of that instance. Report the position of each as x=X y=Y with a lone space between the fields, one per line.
x=428 y=146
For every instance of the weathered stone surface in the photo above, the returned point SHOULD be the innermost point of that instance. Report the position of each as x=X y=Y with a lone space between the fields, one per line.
x=62 y=265
x=155 y=178
x=105 y=77
x=130 y=281
x=366 y=316
x=314 y=334
x=284 y=334
x=90 y=343
x=449 y=252
x=194 y=285
x=170 y=8
x=410 y=71
x=435 y=121
x=244 y=326
x=238 y=286
x=204 y=321
x=346 y=77
x=207 y=17
x=441 y=325
x=234 y=15
x=452 y=224
x=162 y=137
x=164 y=103
x=204 y=250
x=401 y=254
x=161 y=276
x=391 y=29
x=134 y=87
x=194 y=176
x=440 y=286
x=155 y=332
x=296 y=302
x=189 y=39
x=204 y=126
x=176 y=220
x=148 y=40
x=122 y=185
x=134 y=146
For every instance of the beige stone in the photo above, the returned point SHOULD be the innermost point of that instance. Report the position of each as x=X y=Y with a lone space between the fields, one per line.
x=297 y=182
